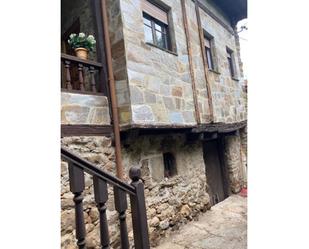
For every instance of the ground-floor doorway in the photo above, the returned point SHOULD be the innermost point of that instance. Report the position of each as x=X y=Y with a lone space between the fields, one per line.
x=215 y=171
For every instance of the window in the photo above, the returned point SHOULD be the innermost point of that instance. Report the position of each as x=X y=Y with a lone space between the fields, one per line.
x=231 y=62
x=230 y=59
x=156 y=28
x=208 y=51
x=169 y=165
x=155 y=32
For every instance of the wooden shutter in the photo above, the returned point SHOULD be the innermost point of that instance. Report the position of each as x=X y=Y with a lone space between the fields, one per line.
x=154 y=11
x=207 y=42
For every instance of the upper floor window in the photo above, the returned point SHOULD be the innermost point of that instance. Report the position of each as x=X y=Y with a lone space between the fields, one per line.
x=155 y=32
x=210 y=52
x=231 y=62
x=156 y=27
x=209 y=55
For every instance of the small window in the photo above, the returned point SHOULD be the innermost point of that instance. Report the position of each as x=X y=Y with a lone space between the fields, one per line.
x=170 y=169
x=156 y=27
x=230 y=59
x=209 y=55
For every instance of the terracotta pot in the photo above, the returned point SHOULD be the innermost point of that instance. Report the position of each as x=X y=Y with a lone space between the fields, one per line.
x=81 y=53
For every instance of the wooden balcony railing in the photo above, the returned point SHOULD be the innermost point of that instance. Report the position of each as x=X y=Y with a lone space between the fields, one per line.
x=80 y=75
x=77 y=168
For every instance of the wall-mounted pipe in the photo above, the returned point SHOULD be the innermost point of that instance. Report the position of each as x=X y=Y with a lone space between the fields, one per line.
x=111 y=81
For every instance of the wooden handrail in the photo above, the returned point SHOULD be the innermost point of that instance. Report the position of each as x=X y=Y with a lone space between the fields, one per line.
x=95 y=171
x=77 y=166
x=78 y=60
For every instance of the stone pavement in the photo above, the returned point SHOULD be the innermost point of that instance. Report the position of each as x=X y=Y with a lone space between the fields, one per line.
x=222 y=227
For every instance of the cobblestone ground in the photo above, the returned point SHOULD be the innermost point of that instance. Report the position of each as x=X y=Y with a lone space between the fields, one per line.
x=222 y=227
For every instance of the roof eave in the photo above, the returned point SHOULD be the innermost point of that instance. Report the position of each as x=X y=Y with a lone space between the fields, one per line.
x=236 y=10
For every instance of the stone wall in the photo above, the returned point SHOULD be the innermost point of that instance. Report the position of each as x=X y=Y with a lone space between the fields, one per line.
x=170 y=202
x=154 y=87
x=159 y=82
x=227 y=93
x=234 y=163
x=79 y=109
x=173 y=201
x=197 y=59
x=244 y=151
x=119 y=60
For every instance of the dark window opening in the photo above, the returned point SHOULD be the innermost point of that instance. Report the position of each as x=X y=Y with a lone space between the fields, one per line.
x=209 y=55
x=73 y=28
x=156 y=32
x=170 y=169
x=230 y=60
x=78 y=16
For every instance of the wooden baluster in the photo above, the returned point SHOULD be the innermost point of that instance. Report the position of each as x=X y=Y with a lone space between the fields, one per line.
x=81 y=77
x=77 y=185
x=101 y=196
x=67 y=75
x=138 y=208
x=121 y=206
x=93 y=83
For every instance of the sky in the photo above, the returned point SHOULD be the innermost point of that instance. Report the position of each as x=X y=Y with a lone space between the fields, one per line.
x=243 y=39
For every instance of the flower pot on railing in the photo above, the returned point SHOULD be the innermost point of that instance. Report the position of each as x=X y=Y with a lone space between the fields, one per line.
x=82 y=44
x=81 y=53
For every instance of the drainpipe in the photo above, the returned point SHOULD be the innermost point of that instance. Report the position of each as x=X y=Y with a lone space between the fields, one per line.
x=201 y=35
x=111 y=81
x=187 y=33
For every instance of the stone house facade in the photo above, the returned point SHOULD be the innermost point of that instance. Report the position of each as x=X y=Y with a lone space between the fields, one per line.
x=181 y=106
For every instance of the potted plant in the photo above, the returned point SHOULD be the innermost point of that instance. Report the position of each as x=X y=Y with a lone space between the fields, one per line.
x=82 y=44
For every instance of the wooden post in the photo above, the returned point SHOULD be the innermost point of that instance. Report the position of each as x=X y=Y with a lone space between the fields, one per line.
x=67 y=75
x=80 y=76
x=101 y=196
x=93 y=83
x=201 y=36
x=77 y=185
x=138 y=207
x=121 y=206
x=187 y=33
